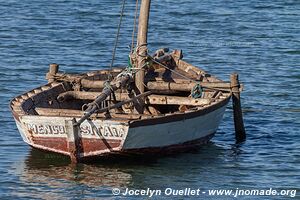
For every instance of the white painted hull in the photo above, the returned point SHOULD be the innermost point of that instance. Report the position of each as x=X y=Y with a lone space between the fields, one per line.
x=174 y=133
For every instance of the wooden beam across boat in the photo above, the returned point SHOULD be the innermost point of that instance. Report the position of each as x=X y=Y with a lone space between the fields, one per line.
x=152 y=99
x=177 y=85
x=92 y=84
x=79 y=113
x=175 y=100
x=185 y=87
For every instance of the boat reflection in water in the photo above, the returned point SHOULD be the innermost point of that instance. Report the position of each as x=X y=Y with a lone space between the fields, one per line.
x=51 y=176
x=41 y=165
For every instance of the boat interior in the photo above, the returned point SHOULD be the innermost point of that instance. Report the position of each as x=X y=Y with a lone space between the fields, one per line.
x=171 y=86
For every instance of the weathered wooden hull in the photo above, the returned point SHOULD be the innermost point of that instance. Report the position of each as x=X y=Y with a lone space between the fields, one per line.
x=102 y=137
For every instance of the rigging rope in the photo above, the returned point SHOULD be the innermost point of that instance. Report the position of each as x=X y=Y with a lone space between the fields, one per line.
x=134 y=25
x=117 y=36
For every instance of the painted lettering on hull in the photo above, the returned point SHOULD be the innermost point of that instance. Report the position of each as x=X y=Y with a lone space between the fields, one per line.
x=86 y=131
x=42 y=129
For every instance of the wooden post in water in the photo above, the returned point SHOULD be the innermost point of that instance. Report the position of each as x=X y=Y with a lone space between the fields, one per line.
x=53 y=69
x=142 y=43
x=240 y=134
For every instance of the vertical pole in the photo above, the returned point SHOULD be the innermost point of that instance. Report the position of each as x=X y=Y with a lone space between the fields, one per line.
x=53 y=69
x=240 y=134
x=142 y=43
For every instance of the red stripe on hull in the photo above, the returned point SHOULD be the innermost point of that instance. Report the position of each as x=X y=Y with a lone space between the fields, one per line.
x=91 y=145
x=59 y=144
x=86 y=145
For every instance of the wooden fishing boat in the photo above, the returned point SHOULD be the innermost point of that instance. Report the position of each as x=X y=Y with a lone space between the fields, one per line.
x=156 y=104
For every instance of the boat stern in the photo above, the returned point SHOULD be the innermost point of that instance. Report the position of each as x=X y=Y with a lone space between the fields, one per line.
x=60 y=135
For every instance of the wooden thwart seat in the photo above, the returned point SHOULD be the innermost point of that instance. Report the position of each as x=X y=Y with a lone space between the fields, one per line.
x=79 y=113
x=151 y=99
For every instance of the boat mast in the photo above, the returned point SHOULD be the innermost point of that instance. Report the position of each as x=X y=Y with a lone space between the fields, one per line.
x=142 y=44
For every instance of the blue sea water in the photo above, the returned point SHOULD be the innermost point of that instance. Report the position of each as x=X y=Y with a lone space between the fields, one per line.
x=258 y=39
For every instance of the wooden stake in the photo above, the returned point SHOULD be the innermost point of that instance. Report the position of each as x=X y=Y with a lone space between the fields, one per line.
x=240 y=133
x=53 y=69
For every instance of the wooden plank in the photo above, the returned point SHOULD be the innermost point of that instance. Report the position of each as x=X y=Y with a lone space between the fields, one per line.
x=58 y=112
x=69 y=95
x=92 y=84
x=152 y=99
x=187 y=86
x=175 y=100
x=79 y=113
x=194 y=71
